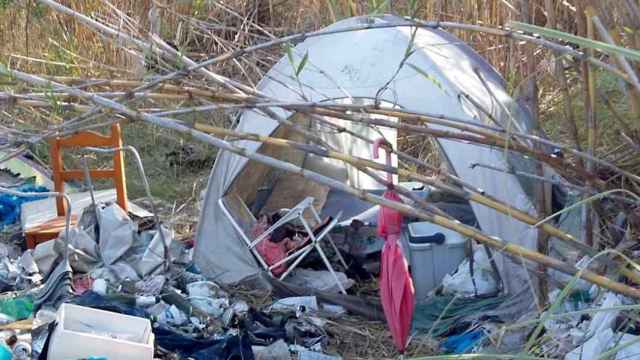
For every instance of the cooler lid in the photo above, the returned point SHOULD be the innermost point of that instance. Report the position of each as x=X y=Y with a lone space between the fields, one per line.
x=429 y=233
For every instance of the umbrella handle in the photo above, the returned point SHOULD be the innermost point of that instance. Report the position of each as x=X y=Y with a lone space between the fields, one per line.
x=384 y=144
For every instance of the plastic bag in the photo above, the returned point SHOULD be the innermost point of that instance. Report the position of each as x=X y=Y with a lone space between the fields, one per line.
x=116 y=233
x=592 y=349
x=462 y=283
x=604 y=319
x=630 y=352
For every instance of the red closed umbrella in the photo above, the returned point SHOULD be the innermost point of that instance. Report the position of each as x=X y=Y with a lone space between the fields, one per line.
x=396 y=287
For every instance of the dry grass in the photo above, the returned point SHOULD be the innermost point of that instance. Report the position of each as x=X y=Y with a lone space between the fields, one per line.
x=35 y=39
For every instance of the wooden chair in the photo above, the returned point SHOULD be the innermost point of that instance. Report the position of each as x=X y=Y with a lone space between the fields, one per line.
x=52 y=228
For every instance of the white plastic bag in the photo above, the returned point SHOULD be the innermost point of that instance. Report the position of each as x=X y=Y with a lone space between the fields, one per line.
x=321 y=280
x=462 y=283
x=604 y=319
x=630 y=352
x=154 y=256
x=591 y=349
x=116 y=233
x=292 y=303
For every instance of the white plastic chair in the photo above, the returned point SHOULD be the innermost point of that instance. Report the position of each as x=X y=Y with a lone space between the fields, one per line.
x=243 y=221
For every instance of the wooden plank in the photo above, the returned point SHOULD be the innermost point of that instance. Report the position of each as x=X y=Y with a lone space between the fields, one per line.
x=118 y=167
x=58 y=183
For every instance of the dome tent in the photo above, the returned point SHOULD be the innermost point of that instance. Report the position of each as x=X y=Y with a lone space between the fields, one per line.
x=362 y=67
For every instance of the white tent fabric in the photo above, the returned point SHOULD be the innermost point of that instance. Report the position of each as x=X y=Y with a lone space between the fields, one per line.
x=356 y=65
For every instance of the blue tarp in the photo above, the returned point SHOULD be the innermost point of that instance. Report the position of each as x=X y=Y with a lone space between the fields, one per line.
x=10 y=204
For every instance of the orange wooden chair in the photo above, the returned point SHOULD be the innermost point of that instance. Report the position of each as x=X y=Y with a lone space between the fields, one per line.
x=52 y=228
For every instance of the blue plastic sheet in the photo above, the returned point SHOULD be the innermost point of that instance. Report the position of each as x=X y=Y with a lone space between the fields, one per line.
x=460 y=344
x=10 y=204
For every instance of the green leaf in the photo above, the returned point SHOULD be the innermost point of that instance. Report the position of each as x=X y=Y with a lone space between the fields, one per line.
x=427 y=76
x=303 y=62
x=578 y=40
x=410 y=50
x=412 y=7
x=379 y=8
x=289 y=49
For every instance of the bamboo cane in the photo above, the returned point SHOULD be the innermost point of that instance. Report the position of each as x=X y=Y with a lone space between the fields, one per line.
x=511 y=249
x=487 y=201
x=438 y=119
x=471 y=196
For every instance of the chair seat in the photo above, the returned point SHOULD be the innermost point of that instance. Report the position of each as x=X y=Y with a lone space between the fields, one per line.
x=47 y=231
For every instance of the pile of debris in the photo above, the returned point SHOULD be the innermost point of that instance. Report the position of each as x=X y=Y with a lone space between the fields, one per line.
x=114 y=264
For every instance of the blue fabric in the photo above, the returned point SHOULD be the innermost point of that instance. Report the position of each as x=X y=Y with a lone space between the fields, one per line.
x=10 y=204
x=460 y=344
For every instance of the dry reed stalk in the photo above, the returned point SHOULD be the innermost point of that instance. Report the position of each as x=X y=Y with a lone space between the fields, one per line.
x=508 y=248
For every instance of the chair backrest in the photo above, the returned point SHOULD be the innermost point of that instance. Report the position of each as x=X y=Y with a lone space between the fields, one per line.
x=239 y=213
x=86 y=139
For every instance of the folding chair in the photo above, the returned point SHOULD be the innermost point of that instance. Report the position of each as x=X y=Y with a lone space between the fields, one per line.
x=243 y=221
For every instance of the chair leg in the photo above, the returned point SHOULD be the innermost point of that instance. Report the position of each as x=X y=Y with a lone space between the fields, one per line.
x=335 y=248
x=31 y=242
x=330 y=268
x=296 y=262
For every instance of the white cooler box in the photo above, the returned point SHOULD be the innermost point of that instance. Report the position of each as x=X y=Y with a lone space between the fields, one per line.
x=429 y=261
x=83 y=332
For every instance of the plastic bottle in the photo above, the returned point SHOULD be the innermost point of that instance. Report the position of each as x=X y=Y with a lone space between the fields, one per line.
x=5 y=352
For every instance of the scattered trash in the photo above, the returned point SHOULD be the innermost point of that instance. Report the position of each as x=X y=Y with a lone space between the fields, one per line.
x=22 y=351
x=279 y=350
x=313 y=355
x=591 y=349
x=173 y=316
x=99 y=286
x=83 y=283
x=295 y=303
x=204 y=289
x=213 y=307
x=151 y=286
x=321 y=280
x=335 y=310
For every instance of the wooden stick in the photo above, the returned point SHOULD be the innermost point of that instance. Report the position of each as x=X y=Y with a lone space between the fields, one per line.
x=471 y=195
x=480 y=198
x=512 y=250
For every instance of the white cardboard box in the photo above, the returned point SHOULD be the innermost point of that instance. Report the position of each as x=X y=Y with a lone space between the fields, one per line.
x=83 y=332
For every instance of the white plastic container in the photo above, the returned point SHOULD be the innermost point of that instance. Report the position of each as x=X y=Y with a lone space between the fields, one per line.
x=83 y=332
x=430 y=262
